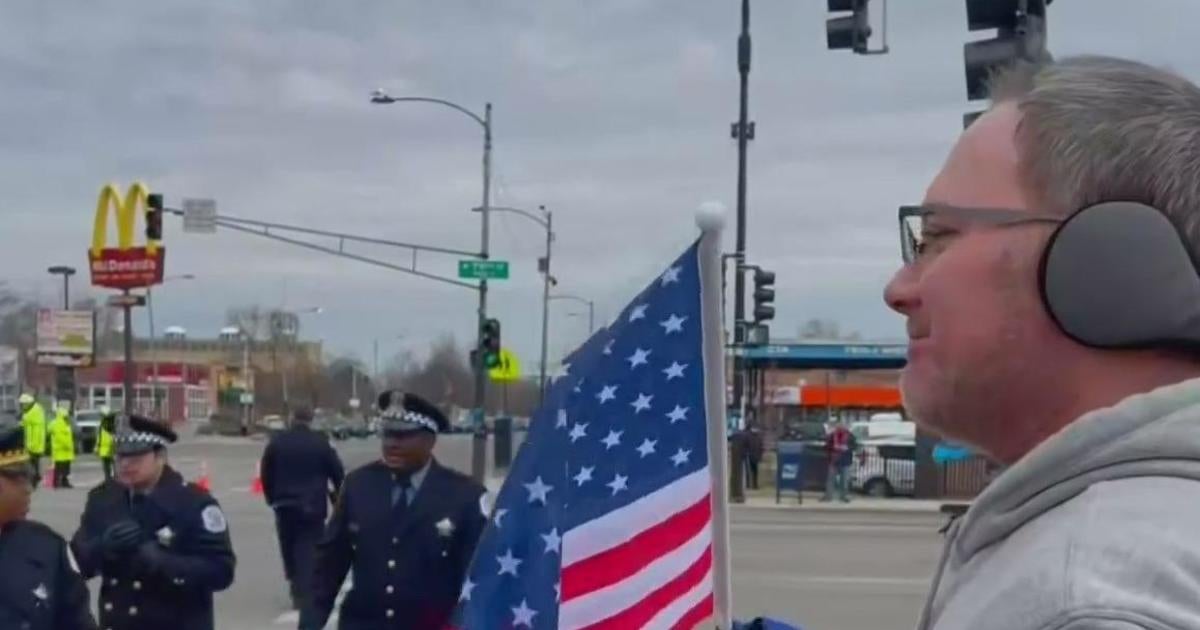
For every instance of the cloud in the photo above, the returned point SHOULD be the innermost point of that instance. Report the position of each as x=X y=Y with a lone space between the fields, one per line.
x=615 y=115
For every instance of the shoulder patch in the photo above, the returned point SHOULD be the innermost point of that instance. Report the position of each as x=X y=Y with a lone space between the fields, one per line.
x=214 y=519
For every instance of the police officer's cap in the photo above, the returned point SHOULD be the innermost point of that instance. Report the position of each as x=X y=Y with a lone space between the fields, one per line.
x=405 y=414
x=142 y=435
x=12 y=448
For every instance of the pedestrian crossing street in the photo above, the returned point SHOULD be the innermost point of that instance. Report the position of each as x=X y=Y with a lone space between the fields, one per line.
x=292 y=617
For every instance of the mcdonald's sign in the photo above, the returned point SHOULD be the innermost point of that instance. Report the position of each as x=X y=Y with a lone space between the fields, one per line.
x=125 y=266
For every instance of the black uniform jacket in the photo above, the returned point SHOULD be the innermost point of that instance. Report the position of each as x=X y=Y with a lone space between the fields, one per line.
x=298 y=467
x=194 y=556
x=407 y=574
x=40 y=585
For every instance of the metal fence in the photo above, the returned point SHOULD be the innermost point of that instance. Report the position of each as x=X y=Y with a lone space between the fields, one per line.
x=896 y=470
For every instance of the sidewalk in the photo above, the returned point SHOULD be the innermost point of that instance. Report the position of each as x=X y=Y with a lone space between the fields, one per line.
x=812 y=502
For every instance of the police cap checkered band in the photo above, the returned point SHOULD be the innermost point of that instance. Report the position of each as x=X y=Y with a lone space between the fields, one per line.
x=137 y=439
x=411 y=417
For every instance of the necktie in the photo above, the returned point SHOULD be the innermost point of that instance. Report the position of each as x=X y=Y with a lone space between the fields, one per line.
x=400 y=496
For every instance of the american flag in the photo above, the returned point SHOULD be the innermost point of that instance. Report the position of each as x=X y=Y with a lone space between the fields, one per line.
x=605 y=520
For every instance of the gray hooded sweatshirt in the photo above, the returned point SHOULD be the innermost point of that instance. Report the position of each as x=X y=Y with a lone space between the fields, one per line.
x=1098 y=528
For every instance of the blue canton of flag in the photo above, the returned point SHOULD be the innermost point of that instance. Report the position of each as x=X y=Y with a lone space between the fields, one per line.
x=605 y=520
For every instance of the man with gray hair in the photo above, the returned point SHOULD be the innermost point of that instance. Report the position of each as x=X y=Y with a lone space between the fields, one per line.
x=1052 y=301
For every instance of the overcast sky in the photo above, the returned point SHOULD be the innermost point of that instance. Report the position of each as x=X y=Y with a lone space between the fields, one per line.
x=613 y=113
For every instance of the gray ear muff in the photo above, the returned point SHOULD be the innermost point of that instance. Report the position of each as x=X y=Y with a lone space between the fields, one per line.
x=1119 y=275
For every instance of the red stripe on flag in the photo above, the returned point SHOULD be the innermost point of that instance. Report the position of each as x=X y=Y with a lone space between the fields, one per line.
x=624 y=560
x=698 y=613
x=637 y=615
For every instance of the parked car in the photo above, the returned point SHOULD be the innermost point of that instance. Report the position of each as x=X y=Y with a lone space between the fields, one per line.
x=885 y=468
x=87 y=430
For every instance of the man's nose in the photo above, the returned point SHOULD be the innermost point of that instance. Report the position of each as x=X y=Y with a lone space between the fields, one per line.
x=900 y=293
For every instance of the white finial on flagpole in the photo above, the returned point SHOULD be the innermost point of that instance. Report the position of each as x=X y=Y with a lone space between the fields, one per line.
x=710 y=216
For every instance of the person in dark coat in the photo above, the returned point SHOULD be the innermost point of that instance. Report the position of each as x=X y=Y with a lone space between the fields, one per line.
x=160 y=545
x=40 y=584
x=405 y=526
x=300 y=474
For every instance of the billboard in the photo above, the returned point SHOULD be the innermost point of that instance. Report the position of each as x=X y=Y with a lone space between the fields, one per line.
x=66 y=338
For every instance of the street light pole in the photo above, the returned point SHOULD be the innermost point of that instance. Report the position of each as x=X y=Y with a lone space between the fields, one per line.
x=479 y=437
x=744 y=132
x=64 y=376
x=547 y=279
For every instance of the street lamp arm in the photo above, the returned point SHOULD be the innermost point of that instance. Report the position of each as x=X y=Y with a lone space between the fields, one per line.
x=525 y=213
x=387 y=100
x=564 y=296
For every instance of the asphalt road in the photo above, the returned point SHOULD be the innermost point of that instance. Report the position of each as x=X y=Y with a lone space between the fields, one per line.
x=844 y=570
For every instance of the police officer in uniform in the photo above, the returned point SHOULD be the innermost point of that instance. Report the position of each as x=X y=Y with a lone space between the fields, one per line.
x=40 y=584
x=160 y=545
x=405 y=525
x=104 y=440
x=33 y=418
x=300 y=475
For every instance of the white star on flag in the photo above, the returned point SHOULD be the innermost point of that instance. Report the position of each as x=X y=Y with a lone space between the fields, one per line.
x=467 y=587
x=673 y=324
x=680 y=458
x=675 y=370
x=608 y=347
x=613 y=439
x=538 y=490
x=578 y=431
x=500 y=512
x=585 y=475
x=562 y=419
x=678 y=414
x=671 y=275
x=638 y=312
x=642 y=403
x=608 y=393
x=638 y=358
x=618 y=484
x=523 y=615
x=647 y=447
x=553 y=541
x=508 y=564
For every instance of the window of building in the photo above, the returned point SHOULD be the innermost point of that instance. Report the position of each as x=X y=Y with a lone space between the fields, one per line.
x=197 y=407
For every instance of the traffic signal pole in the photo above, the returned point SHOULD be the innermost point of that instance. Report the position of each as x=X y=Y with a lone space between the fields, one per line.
x=742 y=130
x=479 y=421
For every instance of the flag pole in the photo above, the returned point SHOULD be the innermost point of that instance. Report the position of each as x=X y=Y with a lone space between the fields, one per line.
x=710 y=220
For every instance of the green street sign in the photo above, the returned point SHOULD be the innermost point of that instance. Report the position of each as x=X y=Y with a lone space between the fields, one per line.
x=483 y=269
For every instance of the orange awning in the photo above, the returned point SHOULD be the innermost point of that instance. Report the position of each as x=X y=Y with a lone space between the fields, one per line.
x=850 y=396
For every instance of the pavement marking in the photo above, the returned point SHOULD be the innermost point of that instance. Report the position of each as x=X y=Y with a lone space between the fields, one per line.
x=292 y=617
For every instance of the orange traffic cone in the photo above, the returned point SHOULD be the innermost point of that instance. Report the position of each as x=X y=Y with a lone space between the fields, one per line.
x=256 y=486
x=203 y=482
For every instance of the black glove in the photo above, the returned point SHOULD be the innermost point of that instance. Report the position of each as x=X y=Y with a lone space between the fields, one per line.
x=121 y=537
x=150 y=555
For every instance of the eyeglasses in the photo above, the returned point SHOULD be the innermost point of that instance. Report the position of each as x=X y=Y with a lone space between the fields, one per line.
x=926 y=228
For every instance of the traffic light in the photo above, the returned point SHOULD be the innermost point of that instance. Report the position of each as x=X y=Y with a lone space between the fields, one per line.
x=154 y=214
x=848 y=31
x=1021 y=26
x=764 y=295
x=489 y=343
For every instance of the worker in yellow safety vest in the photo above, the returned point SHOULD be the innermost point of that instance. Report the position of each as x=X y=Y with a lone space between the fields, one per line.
x=104 y=440
x=33 y=419
x=62 y=446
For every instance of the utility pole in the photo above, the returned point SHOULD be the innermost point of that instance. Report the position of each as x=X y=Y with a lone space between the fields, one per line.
x=547 y=280
x=64 y=376
x=743 y=131
x=479 y=435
